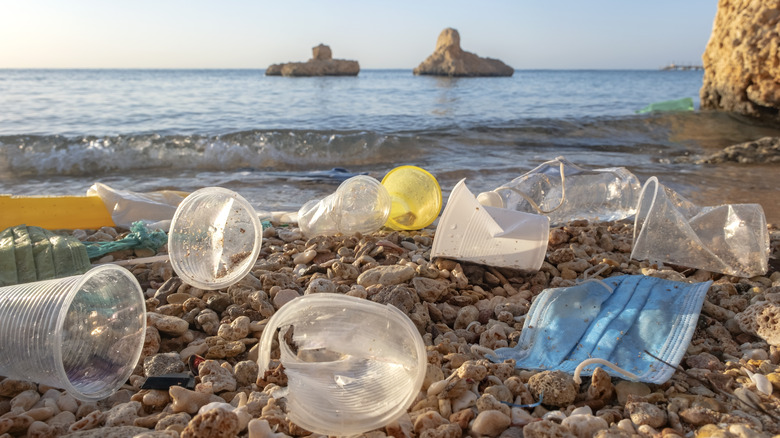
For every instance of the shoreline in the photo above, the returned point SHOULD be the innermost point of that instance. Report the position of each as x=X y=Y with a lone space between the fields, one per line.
x=469 y=308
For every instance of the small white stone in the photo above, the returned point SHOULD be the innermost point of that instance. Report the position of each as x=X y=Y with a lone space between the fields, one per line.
x=305 y=257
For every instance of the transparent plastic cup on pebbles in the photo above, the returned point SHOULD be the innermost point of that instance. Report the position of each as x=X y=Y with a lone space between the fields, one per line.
x=214 y=239
x=731 y=239
x=491 y=236
x=83 y=333
x=564 y=192
x=352 y=365
x=415 y=195
x=359 y=205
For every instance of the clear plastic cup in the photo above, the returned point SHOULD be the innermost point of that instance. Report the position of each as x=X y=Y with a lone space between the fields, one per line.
x=352 y=365
x=360 y=204
x=415 y=195
x=83 y=334
x=731 y=239
x=564 y=192
x=214 y=239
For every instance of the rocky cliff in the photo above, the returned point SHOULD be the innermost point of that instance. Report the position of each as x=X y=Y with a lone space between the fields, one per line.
x=742 y=59
x=321 y=64
x=450 y=60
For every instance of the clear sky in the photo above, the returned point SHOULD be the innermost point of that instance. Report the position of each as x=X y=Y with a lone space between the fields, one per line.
x=526 y=34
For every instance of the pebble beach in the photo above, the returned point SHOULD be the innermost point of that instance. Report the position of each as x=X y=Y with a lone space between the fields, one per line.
x=727 y=384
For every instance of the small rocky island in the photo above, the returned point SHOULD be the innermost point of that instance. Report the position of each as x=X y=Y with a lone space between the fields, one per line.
x=321 y=64
x=450 y=60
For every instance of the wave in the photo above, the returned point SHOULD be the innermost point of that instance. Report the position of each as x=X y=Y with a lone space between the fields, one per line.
x=306 y=150
x=278 y=150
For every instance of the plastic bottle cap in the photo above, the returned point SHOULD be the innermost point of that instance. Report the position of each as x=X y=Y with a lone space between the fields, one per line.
x=490 y=199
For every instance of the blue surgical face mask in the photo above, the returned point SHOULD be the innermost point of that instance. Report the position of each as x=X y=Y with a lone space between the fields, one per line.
x=616 y=320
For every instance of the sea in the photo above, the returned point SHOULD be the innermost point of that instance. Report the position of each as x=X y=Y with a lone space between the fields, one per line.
x=281 y=141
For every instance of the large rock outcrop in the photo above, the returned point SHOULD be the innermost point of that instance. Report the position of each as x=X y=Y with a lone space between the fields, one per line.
x=450 y=60
x=742 y=59
x=321 y=64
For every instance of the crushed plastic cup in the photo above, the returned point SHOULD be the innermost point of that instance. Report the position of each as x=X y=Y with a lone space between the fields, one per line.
x=352 y=365
x=360 y=204
x=564 y=192
x=731 y=239
x=491 y=236
x=214 y=239
x=416 y=198
x=83 y=333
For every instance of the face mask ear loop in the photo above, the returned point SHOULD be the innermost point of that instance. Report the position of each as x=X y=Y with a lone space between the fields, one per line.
x=531 y=202
x=593 y=360
x=587 y=277
x=477 y=349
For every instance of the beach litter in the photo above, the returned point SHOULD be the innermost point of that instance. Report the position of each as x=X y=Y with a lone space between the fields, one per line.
x=684 y=104
x=29 y=253
x=352 y=365
x=360 y=204
x=492 y=236
x=610 y=322
x=82 y=333
x=415 y=198
x=126 y=207
x=565 y=192
x=731 y=239
x=214 y=239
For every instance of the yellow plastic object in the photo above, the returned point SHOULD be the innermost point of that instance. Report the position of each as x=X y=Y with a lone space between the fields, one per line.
x=54 y=212
x=416 y=198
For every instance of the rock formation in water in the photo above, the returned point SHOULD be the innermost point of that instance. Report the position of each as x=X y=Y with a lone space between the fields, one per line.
x=742 y=59
x=321 y=64
x=450 y=60
x=764 y=150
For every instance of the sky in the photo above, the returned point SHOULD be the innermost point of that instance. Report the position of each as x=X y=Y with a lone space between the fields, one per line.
x=526 y=34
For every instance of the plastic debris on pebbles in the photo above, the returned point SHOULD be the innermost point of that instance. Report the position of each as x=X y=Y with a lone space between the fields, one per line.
x=727 y=386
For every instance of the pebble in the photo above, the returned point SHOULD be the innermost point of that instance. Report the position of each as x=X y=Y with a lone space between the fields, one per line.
x=584 y=426
x=491 y=423
x=558 y=387
x=305 y=257
x=625 y=388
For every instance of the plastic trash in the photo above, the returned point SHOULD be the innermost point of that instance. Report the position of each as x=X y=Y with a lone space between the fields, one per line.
x=81 y=333
x=564 y=192
x=54 y=212
x=139 y=238
x=30 y=254
x=360 y=204
x=731 y=239
x=488 y=235
x=352 y=365
x=684 y=104
x=214 y=239
x=127 y=207
x=610 y=322
x=416 y=198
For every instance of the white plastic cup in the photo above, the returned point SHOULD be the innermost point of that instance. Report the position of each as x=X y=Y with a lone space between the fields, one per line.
x=355 y=366
x=491 y=236
x=83 y=334
x=360 y=204
x=214 y=239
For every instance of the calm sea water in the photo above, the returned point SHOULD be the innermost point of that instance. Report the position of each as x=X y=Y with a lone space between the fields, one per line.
x=272 y=138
